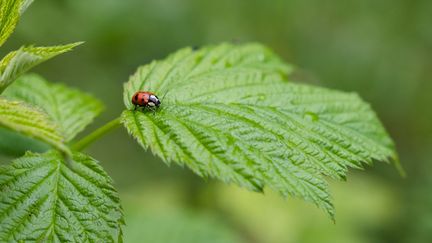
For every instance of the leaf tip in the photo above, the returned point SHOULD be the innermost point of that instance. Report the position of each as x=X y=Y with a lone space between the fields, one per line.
x=69 y=47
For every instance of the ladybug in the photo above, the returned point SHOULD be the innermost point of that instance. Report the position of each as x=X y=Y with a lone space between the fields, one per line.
x=145 y=99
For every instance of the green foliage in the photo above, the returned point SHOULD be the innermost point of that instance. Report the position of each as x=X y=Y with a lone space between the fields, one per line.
x=71 y=109
x=52 y=113
x=45 y=198
x=20 y=117
x=18 y=62
x=230 y=113
x=57 y=196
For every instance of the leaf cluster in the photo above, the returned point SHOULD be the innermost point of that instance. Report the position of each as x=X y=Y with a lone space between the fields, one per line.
x=230 y=112
x=57 y=195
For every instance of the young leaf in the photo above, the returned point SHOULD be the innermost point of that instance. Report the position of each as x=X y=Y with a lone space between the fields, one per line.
x=46 y=199
x=71 y=109
x=18 y=62
x=31 y=122
x=229 y=113
x=10 y=11
x=9 y=16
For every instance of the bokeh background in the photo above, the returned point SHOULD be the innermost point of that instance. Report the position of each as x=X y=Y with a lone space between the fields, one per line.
x=381 y=49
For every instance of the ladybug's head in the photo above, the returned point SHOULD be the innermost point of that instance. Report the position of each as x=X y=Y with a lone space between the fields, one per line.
x=153 y=101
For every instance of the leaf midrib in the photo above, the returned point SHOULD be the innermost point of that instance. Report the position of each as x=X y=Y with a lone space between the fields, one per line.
x=186 y=104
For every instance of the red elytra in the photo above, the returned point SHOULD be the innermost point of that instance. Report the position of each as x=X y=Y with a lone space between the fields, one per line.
x=145 y=99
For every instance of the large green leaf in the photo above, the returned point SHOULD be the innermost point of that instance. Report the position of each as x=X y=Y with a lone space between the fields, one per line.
x=18 y=62
x=19 y=117
x=230 y=114
x=71 y=109
x=46 y=199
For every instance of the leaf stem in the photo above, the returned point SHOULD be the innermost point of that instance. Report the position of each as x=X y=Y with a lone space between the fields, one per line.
x=87 y=140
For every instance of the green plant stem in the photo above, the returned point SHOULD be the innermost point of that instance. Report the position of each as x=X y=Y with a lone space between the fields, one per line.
x=83 y=143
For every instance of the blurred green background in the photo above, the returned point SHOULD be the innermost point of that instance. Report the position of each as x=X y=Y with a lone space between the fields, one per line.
x=381 y=49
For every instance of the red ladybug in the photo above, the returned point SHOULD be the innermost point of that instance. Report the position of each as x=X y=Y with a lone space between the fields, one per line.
x=145 y=99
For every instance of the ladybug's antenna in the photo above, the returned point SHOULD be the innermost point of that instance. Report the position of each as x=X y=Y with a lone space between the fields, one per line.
x=163 y=97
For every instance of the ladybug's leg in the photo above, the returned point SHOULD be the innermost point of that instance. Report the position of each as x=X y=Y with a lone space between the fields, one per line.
x=138 y=108
x=153 y=110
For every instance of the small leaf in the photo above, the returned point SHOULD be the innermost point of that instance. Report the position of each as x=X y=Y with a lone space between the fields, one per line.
x=10 y=11
x=229 y=113
x=9 y=16
x=31 y=122
x=71 y=109
x=46 y=199
x=18 y=62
